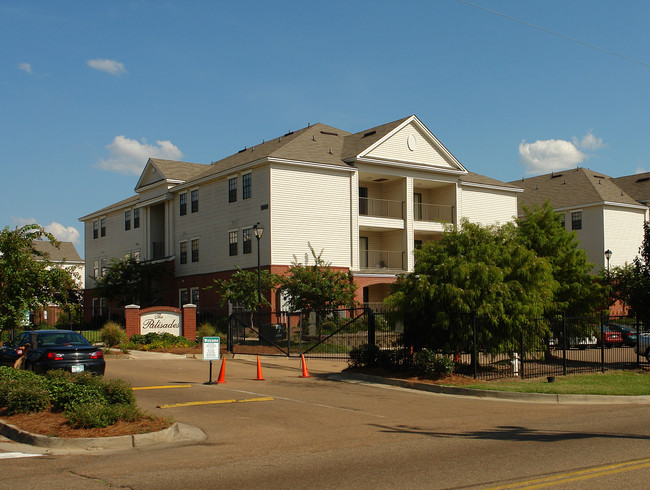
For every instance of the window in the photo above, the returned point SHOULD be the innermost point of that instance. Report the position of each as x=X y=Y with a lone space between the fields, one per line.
x=194 y=296
x=183 y=200
x=246 y=186
x=136 y=218
x=183 y=252
x=182 y=297
x=232 y=240
x=136 y=255
x=417 y=244
x=95 y=229
x=232 y=189
x=96 y=268
x=102 y=227
x=195 y=250
x=576 y=220
x=248 y=240
x=103 y=270
x=127 y=220
x=195 y=200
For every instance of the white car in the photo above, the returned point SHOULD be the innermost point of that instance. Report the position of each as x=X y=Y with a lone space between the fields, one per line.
x=643 y=345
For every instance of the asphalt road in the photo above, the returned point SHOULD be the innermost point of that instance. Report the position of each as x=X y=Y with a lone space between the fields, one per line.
x=292 y=432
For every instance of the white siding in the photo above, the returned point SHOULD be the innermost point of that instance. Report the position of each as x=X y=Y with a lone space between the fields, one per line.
x=216 y=217
x=623 y=234
x=487 y=206
x=310 y=205
x=396 y=148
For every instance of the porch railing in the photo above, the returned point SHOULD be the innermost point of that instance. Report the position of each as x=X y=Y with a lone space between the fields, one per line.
x=440 y=213
x=381 y=208
x=382 y=260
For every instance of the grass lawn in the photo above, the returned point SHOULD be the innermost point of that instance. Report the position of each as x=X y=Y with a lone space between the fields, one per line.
x=609 y=383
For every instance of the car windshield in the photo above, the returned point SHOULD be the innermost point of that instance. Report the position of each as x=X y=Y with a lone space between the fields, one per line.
x=61 y=339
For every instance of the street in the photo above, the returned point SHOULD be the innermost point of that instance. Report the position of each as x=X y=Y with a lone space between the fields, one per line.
x=292 y=432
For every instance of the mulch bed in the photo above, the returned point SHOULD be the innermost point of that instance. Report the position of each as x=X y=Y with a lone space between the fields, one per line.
x=54 y=424
x=443 y=379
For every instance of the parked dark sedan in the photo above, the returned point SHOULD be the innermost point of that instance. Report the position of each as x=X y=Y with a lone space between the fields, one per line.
x=54 y=349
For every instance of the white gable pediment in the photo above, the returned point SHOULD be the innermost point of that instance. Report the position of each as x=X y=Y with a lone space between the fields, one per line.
x=413 y=143
x=150 y=175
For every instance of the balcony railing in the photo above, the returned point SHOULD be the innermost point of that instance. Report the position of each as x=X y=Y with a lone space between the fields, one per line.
x=433 y=212
x=382 y=260
x=381 y=208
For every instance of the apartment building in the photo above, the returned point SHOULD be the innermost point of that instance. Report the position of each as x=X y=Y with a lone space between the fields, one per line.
x=366 y=199
x=606 y=213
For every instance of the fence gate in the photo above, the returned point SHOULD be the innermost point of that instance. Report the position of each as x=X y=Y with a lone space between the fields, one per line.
x=326 y=334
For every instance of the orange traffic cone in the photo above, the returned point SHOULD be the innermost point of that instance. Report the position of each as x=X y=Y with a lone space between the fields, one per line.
x=259 y=370
x=305 y=373
x=222 y=372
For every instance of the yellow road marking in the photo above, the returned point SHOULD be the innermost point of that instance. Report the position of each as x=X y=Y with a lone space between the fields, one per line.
x=217 y=402
x=159 y=387
x=580 y=475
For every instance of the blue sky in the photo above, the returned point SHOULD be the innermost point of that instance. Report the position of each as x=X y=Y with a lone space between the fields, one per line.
x=90 y=90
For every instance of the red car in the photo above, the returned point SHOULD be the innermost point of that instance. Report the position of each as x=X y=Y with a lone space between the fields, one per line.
x=610 y=337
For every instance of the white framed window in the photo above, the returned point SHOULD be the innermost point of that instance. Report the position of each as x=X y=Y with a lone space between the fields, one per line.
x=194 y=296
x=247 y=189
x=96 y=268
x=194 y=199
x=183 y=252
x=182 y=297
x=576 y=220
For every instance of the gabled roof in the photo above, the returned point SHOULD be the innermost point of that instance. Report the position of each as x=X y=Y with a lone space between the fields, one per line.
x=570 y=189
x=159 y=170
x=356 y=143
x=65 y=253
x=637 y=186
x=317 y=143
x=474 y=178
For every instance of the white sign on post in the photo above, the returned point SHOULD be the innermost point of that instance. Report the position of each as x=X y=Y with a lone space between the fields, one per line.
x=211 y=348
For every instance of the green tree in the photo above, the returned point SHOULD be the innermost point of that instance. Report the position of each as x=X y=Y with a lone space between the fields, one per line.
x=317 y=287
x=128 y=281
x=631 y=283
x=576 y=290
x=28 y=279
x=473 y=270
x=241 y=288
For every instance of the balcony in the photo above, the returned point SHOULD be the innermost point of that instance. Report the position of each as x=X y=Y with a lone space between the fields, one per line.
x=157 y=250
x=382 y=260
x=381 y=208
x=437 y=213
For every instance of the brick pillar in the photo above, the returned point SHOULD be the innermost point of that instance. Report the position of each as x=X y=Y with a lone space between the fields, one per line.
x=132 y=320
x=189 y=321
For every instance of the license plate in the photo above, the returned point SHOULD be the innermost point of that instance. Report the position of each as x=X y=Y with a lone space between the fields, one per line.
x=77 y=369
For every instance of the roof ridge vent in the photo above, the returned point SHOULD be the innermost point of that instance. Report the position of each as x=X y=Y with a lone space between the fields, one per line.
x=289 y=133
x=369 y=133
x=329 y=133
x=642 y=179
x=242 y=151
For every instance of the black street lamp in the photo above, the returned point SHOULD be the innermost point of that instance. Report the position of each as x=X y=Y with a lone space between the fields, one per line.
x=258 y=230
x=608 y=255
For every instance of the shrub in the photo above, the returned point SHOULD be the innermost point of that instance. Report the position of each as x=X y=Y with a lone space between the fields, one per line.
x=364 y=355
x=91 y=415
x=26 y=397
x=118 y=392
x=205 y=330
x=112 y=334
x=431 y=364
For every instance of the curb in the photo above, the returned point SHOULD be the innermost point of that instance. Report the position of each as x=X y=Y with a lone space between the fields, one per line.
x=177 y=432
x=499 y=395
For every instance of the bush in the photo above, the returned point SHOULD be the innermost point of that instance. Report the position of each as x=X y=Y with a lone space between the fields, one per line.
x=431 y=364
x=364 y=355
x=112 y=334
x=205 y=330
x=26 y=397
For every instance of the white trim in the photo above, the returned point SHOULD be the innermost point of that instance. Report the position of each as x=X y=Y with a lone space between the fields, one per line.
x=412 y=166
x=365 y=274
x=491 y=186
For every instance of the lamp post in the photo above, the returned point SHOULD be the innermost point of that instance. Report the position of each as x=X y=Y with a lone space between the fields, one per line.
x=258 y=230
x=608 y=255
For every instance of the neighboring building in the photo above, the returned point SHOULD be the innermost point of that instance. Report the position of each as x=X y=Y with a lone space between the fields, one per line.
x=366 y=199
x=64 y=256
x=606 y=213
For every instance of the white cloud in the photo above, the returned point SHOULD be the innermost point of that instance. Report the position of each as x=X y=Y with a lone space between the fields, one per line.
x=129 y=156
x=60 y=232
x=640 y=170
x=109 y=66
x=589 y=142
x=25 y=67
x=63 y=233
x=549 y=155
